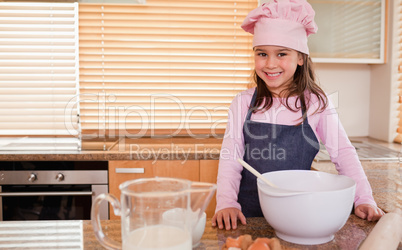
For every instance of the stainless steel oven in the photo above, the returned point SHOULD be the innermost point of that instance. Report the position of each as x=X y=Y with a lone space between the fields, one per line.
x=60 y=190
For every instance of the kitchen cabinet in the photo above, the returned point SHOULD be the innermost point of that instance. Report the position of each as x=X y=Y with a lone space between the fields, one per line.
x=121 y=171
x=209 y=173
x=349 y=31
x=194 y=170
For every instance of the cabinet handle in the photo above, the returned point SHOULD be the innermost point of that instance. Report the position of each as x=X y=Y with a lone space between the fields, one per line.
x=130 y=170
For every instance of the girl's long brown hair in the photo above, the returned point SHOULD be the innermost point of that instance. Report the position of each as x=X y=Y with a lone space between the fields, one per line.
x=304 y=81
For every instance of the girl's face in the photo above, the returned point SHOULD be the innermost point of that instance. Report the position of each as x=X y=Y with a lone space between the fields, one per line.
x=276 y=66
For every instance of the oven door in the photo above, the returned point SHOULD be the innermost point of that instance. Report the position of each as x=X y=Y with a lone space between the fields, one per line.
x=41 y=190
x=49 y=202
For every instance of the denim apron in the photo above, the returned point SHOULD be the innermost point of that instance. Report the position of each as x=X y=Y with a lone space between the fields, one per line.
x=273 y=147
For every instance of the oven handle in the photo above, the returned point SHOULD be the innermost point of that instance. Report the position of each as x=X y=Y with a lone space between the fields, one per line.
x=45 y=193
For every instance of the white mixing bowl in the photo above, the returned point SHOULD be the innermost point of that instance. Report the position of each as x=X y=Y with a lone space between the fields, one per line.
x=310 y=218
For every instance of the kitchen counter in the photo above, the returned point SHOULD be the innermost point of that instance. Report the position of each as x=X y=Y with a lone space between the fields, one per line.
x=385 y=179
x=79 y=234
x=176 y=149
x=130 y=149
x=385 y=176
x=349 y=237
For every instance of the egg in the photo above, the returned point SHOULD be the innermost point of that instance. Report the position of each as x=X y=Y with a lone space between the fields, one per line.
x=231 y=242
x=245 y=242
x=260 y=244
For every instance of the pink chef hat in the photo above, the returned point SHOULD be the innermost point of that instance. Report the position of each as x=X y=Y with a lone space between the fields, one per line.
x=285 y=23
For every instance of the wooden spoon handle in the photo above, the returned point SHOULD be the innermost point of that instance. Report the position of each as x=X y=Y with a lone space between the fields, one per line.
x=254 y=172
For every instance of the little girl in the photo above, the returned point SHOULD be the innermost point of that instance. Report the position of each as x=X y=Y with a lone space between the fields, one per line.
x=278 y=124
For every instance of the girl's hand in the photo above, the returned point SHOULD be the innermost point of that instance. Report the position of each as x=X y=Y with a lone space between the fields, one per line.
x=368 y=212
x=228 y=217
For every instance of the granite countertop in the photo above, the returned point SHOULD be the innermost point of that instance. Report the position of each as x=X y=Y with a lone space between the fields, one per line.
x=130 y=149
x=349 y=237
x=385 y=179
x=175 y=149
x=79 y=234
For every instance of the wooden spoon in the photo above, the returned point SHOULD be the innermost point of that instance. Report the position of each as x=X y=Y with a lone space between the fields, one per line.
x=254 y=172
x=280 y=192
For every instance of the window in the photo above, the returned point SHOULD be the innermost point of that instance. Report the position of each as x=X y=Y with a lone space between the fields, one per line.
x=38 y=76
x=75 y=73
x=163 y=68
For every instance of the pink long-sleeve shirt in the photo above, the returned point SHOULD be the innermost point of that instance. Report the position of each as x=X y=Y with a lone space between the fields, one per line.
x=326 y=127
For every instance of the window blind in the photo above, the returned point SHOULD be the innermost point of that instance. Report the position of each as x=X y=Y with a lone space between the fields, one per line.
x=166 y=67
x=38 y=76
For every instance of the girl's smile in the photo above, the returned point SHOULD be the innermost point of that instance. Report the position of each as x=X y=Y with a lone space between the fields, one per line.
x=276 y=66
x=273 y=76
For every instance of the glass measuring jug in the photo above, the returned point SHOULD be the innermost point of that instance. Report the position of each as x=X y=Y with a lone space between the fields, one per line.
x=143 y=207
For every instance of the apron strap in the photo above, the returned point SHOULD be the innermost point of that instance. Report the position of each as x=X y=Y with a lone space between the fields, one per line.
x=303 y=108
x=251 y=108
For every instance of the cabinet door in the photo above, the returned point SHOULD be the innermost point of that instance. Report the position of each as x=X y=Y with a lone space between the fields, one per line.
x=121 y=171
x=209 y=173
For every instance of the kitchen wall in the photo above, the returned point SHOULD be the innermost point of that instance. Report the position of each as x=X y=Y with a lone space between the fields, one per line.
x=384 y=85
x=349 y=88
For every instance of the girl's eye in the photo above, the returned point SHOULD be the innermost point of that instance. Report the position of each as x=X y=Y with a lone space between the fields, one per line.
x=262 y=54
x=281 y=54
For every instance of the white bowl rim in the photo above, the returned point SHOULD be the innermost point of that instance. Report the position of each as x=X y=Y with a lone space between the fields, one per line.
x=260 y=183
